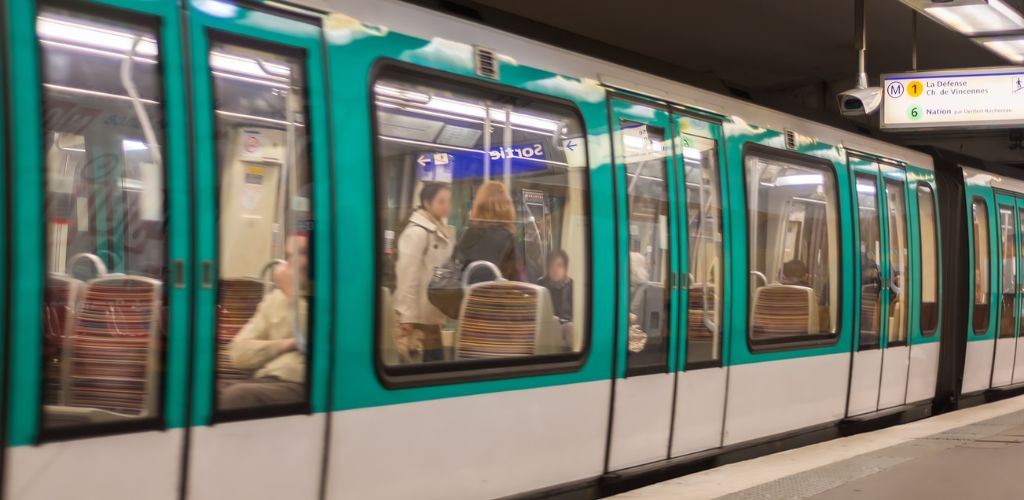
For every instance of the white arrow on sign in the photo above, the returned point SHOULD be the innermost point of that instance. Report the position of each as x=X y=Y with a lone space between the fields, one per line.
x=423 y=160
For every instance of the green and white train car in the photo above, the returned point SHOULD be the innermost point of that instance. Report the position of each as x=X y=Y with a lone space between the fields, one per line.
x=205 y=295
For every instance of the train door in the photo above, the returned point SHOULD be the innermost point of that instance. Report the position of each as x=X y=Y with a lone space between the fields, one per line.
x=101 y=212
x=983 y=241
x=1006 y=335
x=642 y=410
x=924 y=297
x=261 y=326
x=881 y=354
x=699 y=412
x=1018 y=359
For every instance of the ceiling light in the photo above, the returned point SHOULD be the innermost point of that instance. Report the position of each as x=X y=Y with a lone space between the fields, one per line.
x=55 y=29
x=975 y=17
x=1011 y=48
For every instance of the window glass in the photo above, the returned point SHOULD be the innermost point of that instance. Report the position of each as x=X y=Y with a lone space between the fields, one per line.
x=870 y=261
x=483 y=224
x=929 y=260
x=896 y=199
x=265 y=226
x=704 y=223
x=105 y=220
x=979 y=208
x=645 y=154
x=1008 y=279
x=794 y=258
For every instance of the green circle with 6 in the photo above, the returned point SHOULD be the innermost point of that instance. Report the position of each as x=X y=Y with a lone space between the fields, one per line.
x=915 y=112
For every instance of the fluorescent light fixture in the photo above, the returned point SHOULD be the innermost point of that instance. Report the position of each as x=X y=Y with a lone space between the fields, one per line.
x=92 y=36
x=864 y=188
x=467 y=109
x=1012 y=48
x=247 y=66
x=692 y=154
x=133 y=145
x=976 y=17
x=799 y=180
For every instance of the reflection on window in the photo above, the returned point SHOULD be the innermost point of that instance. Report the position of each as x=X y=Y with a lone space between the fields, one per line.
x=979 y=208
x=929 y=260
x=704 y=223
x=896 y=198
x=645 y=155
x=1008 y=280
x=794 y=268
x=266 y=226
x=105 y=240
x=483 y=224
x=870 y=262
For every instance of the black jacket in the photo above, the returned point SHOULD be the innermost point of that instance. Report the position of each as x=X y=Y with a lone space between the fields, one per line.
x=491 y=242
x=561 y=297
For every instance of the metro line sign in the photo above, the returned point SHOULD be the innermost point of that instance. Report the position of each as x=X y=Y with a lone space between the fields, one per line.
x=962 y=98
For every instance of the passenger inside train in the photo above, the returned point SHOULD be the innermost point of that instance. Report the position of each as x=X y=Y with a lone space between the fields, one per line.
x=491 y=186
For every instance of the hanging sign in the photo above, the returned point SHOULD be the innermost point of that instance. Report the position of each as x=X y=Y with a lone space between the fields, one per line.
x=967 y=98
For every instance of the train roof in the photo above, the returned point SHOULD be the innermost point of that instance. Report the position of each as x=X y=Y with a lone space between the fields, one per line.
x=425 y=23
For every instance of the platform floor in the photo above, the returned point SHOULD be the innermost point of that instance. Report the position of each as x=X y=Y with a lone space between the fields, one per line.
x=973 y=453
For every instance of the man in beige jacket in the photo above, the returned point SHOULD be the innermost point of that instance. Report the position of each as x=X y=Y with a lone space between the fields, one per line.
x=271 y=344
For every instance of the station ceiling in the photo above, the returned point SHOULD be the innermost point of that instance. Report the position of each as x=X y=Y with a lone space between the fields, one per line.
x=792 y=55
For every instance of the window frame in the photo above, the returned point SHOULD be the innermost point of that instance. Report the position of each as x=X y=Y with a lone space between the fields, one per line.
x=933 y=199
x=304 y=407
x=974 y=267
x=721 y=163
x=157 y=421
x=757 y=150
x=877 y=344
x=453 y=372
x=899 y=186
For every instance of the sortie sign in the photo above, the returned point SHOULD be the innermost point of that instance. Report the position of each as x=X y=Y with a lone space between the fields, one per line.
x=967 y=98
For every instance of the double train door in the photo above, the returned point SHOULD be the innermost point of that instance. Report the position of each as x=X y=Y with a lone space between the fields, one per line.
x=881 y=357
x=669 y=392
x=1009 y=286
x=260 y=350
x=100 y=210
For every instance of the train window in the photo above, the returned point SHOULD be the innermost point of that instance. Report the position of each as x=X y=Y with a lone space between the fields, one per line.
x=979 y=209
x=794 y=254
x=265 y=226
x=482 y=213
x=105 y=221
x=704 y=222
x=645 y=154
x=895 y=192
x=870 y=262
x=1008 y=279
x=928 y=226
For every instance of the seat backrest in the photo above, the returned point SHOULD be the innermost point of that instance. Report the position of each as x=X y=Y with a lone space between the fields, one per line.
x=784 y=311
x=504 y=319
x=115 y=345
x=696 y=326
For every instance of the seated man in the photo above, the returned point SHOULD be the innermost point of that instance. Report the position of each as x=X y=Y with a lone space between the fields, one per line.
x=269 y=343
x=559 y=286
x=794 y=272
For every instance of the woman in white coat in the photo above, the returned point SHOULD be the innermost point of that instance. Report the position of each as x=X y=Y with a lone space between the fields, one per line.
x=423 y=245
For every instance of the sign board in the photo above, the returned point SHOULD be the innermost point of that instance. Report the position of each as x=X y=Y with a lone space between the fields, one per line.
x=967 y=98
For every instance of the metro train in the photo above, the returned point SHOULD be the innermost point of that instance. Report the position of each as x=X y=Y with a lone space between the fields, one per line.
x=225 y=280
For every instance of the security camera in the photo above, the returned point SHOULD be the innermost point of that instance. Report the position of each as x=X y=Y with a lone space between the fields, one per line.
x=860 y=101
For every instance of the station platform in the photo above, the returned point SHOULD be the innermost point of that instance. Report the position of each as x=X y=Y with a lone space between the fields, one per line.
x=972 y=453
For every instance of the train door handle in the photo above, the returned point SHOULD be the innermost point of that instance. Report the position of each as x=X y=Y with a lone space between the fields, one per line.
x=207 y=269
x=178 y=271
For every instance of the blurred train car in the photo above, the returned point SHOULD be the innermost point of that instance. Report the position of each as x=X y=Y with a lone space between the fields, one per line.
x=226 y=226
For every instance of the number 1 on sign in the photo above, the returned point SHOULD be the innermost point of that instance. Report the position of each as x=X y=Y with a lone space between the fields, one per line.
x=915 y=88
